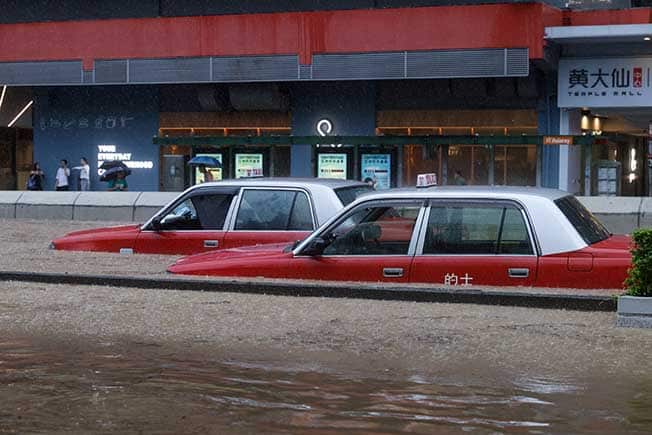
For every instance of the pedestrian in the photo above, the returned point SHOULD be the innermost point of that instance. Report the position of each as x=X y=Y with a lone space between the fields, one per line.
x=84 y=175
x=35 y=180
x=119 y=182
x=208 y=176
x=459 y=178
x=61 y=179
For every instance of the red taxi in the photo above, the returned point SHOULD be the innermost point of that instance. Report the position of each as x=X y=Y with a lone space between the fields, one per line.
x=225 y=214
x=457 y=236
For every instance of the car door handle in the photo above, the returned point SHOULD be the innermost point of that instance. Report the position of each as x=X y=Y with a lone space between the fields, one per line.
x=393 y=272
x=515 y=272
x=211 y=243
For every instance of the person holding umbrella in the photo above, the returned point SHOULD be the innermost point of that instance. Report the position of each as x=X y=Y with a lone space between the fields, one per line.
x=203 y=163
x=119 y=182
x=115 y=173
x=208 y=177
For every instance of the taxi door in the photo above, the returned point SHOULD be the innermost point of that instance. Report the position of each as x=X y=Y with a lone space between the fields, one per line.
x=194 y=224
x=375 y=243
x=475 y=243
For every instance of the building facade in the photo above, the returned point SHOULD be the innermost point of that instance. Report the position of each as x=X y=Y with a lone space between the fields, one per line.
x=103 y=82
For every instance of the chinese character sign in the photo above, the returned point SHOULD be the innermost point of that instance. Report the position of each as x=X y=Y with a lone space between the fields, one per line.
x=331 y=166
x=378 y=168
x=613 y=82
x=248 y=165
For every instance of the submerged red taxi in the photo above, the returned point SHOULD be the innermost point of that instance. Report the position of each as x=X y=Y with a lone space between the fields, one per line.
x=225 y=214
x=457 y=236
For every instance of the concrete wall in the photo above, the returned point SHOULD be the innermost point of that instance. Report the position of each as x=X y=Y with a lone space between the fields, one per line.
x=83 y=206
x=619 y=214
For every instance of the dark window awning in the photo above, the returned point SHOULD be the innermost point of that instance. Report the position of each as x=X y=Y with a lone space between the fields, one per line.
x=203 y=141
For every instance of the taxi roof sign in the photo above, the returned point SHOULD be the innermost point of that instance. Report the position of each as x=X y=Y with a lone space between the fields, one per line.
x=426 y=180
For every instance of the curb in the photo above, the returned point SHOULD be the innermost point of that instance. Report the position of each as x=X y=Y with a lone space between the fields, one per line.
x=331 y=290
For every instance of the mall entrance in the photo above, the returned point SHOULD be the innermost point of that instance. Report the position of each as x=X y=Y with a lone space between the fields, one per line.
x=238 y=161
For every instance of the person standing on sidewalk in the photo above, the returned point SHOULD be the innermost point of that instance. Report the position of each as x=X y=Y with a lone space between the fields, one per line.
x=84 y=175
x=61 y=179
x=35 y=180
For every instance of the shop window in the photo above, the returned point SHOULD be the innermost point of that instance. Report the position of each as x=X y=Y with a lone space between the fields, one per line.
x=515 y=165
x=471 y=161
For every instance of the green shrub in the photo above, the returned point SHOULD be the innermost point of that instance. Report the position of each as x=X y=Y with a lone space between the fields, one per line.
x=639 y=281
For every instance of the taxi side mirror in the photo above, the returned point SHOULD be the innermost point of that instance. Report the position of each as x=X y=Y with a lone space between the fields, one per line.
x=315 y=248
x=156 y=224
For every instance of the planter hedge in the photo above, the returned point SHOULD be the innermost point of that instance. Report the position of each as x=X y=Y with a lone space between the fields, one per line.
x=639 y=281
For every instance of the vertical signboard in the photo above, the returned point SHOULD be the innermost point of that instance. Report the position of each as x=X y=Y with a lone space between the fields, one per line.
x=248 y=165
x=377 y=168
x=215 y=172
x=331 y=166
x=605 y=82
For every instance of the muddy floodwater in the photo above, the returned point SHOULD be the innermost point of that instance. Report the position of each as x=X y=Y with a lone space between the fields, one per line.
x=77 y=359
x=47 y=388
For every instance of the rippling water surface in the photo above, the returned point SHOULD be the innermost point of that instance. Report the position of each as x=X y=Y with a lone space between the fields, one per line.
x=46 y=389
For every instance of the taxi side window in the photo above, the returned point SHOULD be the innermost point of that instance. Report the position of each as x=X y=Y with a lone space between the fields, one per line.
x=378 y=230
x=476 y=230
x=199 y=212
x=274 y=210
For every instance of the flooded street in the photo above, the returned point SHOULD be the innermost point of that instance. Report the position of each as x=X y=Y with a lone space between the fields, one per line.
x=109 y=360
x=47 y=388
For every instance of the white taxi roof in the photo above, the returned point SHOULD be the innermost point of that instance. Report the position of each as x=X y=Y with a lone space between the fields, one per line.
x=554 y=233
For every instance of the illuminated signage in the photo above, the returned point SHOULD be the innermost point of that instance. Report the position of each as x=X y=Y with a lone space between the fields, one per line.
x=377 y=169
x=331 y=166
x=248 y=165
x=107 y=153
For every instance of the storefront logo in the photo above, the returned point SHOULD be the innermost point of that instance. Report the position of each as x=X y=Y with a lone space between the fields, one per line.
x=605 y=82
x=324 y=127
x=558 y=140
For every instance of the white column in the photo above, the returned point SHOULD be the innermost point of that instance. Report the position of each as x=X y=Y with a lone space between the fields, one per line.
x=570 y=156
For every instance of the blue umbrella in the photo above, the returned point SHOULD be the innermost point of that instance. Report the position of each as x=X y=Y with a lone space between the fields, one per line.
x=208 y=161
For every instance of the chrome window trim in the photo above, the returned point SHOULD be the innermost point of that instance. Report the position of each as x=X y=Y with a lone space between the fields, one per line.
x=353 y=209
x=479 y=201
x=231 y=227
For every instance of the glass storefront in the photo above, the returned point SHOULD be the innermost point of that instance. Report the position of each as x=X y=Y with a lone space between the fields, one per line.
x=480 y=164
x=237 y=161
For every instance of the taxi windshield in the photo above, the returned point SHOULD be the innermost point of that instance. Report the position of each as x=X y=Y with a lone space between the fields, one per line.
x=587 y=226
x=349 y=194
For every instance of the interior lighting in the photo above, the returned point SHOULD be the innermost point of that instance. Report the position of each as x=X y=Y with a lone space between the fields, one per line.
x=13 y=121
x=632 y=160
x=2 y=96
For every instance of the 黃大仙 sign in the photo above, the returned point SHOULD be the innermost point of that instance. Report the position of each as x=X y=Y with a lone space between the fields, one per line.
x=608 y=82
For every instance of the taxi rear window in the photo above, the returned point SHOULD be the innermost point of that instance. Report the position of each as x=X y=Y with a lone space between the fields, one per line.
x=349 y=194
x=588 y=227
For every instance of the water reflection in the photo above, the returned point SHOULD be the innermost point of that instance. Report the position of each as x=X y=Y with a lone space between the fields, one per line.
x=45 y=389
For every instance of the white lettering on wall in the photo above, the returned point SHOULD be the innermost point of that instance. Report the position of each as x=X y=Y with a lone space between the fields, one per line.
x=110 y=153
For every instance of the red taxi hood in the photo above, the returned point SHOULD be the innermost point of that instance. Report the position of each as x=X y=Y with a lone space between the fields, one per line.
x=107 y=239
x=260 y=260
x=104 y=230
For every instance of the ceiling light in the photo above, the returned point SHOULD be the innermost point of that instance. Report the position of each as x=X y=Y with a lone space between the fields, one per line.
x=2 y=96
x=13 y=121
